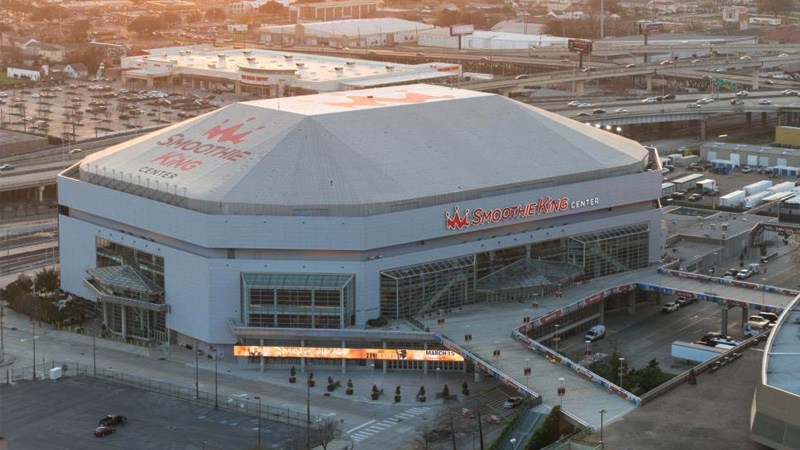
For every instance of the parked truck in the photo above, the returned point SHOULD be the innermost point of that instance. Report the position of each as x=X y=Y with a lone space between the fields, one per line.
x=732 y=200
x=754 y=200
x=707 y=187
x=757 y=187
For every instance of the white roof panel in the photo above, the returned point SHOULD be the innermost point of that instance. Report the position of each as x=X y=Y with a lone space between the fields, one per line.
x=367 y=147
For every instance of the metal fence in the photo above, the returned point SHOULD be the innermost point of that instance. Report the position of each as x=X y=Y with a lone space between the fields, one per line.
x=238 y=404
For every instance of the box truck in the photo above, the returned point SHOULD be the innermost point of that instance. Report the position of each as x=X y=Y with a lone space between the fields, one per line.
x=707 y=187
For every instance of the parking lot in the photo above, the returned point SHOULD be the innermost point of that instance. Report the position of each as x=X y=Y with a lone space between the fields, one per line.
x=726 y=183
x=102 y=110
x=64 y=413
x=649 y=334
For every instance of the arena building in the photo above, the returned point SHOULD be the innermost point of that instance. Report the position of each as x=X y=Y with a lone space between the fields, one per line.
x=298 y=220
x=266 y=73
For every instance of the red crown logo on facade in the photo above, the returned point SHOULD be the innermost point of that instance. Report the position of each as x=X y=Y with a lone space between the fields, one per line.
x=229 y=134
x=456 y=221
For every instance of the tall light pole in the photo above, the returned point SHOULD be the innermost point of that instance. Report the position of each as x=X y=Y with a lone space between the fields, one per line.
x=621 y=371
x=308 y=410
x=557 y=337
x=216 y=385
x=33 y=338
x=196 y=371
x=763 y=292
x=602 y=19
x=602 y=411
x=94 y=354
x=561 y=397
x=257 y=397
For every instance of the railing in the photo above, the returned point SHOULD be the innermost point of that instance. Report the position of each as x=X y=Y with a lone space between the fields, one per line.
x=229 y=403
x=700 y=368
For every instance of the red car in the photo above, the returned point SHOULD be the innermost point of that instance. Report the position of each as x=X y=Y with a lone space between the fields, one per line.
x=103 y=431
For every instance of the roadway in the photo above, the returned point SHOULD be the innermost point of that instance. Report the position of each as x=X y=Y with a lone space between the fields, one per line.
x=653 y=69
x=583 y=398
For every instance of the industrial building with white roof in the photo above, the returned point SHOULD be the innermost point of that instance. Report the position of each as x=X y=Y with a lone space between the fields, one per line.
x=298 y=220
x=267 y=73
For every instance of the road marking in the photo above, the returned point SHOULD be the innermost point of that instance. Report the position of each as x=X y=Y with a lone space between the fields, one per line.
x=361 y=426
x=374 y=429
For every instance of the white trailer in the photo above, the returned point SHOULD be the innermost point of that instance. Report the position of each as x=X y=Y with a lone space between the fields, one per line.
x=757 y=187
x=706 y=187
x=687 y=182
x=786 y=186
x=754 y=200
x=732 y=200
x=667 y=189
x=695 y=352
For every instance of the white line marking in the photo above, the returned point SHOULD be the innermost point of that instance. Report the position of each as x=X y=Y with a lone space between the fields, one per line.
x=361 y=426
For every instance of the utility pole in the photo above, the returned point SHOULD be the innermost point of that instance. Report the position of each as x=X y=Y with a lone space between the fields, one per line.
x=196 y=371
x=480 y=429
x=602 y=19
x=94 y=353
x=33 y=338
x=308 y=411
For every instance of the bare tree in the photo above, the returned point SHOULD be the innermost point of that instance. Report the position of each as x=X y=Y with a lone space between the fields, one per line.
x=328 y=430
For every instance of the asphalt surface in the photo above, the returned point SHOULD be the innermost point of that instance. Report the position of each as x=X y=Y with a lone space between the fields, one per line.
x=63 y=414
x=649 y=333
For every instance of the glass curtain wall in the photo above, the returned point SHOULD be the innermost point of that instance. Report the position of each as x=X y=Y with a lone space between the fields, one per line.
x=434 y=286
x=610 y=251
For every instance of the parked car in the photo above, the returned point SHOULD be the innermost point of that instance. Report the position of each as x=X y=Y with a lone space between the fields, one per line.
x=669 y=307
x=744 y=274
x=731 y=273
x=650 y=100
x=595 y=333
x=695 y=198
x=747 y=169
x=769 y=316
x=112 y=420
x=742 y=94
x=789 y=92
x=620 y=110
x=5 y=167
x=512 y=402
x=712 y=336
x=75 y=151
x=678 y=195
x=103 y=430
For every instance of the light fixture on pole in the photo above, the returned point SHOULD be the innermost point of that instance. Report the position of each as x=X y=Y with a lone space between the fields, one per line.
x=258 y=397
x=602 y=412
x=561 y=393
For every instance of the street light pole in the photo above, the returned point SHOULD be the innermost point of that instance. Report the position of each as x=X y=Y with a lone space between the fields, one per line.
x=557 y=337
x=602 y=411
x=216 y=385
x=257 y=397
x=561 y=397
x=33 y=338
x=94 y=354
x=196 y=371
x=763 y=292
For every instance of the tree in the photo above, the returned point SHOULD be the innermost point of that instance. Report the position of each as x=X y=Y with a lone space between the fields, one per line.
x=272 y=9
x=47 y=280
x=215 y=14
x=79 y=30
x=146 y=25
x=172 y=18
x=193 y=17
x=548 y=433
x=775 y=7
x=51 y=12
x=91 y=57
x=327 y=431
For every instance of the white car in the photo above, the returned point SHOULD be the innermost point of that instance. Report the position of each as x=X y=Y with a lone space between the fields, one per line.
x=693 y=106
x=3 y=94
x=650 y=100
x=75 y=150
x=783 y=55
x=789 y=92
x=670 y=307
x=620 y=110
x=512 y=402
x=742 y=94
x=747 y=169
x=746 y=57
x=573 y=104
x=35 y=96
x=765 y=101
x=584 y=105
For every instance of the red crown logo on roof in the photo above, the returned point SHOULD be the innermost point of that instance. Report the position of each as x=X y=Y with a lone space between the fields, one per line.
x=229 y=134
x=456 y=221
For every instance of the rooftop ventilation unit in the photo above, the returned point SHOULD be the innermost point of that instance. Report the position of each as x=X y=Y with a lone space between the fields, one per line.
x=390 y=68
x=300 y=65
x=287 y=56
x=251 y=59
x=247 y=52
x=164 y=54
x=350 y=63
x=338 y=69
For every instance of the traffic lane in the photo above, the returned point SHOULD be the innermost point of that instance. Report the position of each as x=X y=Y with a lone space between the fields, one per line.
x=562 y=105
x=649 y=333
x=673 y=108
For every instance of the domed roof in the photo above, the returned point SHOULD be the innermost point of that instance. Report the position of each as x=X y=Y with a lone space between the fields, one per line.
x=361 y=151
